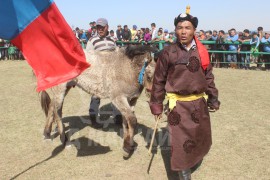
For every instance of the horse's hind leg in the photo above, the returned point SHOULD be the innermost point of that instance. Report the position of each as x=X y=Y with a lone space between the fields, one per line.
x=47 y=107
x=49 y=121
x=59 y=94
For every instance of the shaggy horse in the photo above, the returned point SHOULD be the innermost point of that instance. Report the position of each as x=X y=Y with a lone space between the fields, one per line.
x=119 y=75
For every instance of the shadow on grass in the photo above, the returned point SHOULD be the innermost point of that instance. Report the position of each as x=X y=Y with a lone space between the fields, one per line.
x=88 y=147
x=55 y=152
x=84 y=148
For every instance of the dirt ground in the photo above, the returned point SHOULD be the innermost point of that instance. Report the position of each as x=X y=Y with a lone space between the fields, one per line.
x=240 y=129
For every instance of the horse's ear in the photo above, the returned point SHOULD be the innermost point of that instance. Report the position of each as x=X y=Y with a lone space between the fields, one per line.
x=154 y=48
x=157 y=54
x=130 y=51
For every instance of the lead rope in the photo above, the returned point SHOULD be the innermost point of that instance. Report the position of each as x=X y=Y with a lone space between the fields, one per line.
x=140 y=78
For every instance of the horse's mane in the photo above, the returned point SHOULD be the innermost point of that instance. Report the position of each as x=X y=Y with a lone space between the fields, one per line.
x=133 y=50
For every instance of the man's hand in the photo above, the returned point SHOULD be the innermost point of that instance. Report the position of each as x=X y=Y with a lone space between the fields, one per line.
x=213 y=103
x=158 y=117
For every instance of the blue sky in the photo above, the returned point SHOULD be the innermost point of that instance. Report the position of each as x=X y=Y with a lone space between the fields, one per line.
x=218 y=14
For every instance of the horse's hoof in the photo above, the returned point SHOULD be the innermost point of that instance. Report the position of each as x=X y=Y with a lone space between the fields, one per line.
x=47 y=136
x=68 y=145
x=47 y=139
x=126 y=154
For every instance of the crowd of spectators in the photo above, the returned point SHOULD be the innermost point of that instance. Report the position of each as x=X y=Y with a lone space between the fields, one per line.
x=242 y=45
x=9 y=52
x=126 y=34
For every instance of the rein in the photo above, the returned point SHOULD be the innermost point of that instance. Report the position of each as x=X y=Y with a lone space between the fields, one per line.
x=140 y=78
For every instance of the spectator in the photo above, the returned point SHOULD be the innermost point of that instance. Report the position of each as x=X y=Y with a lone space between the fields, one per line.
x=90 y=29
x=260 y=57
x=197 y=34
x=232 y=57
x=171 y=39
x=133 y=31
x=143 y=30
x=2 y=49
x=215 y=35
x=140 y=35
x=101 y=42
x=166 y=35
x=153 y=31
x=245 y=58
x=208 y=35
x=220 y=46
x=77 y=33
x=126 y=35
x=159 y=37
x=202 y=35
x=147 y=35
x=112 y=36
x=260 y=32
x=119 y=32
x=266 y=48
x=83 y=38
x=254 y=42
x=94 y=31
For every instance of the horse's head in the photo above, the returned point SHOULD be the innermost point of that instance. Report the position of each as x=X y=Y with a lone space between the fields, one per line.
x=144 y=59
x=148 y=77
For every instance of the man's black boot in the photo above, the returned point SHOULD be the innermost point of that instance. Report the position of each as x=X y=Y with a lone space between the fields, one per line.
x=185 y=174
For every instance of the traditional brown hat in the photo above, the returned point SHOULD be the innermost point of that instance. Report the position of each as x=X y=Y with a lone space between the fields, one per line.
x=186 y=17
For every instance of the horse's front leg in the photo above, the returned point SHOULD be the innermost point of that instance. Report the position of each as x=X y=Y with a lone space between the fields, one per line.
x=129 y=124
x=132 y=103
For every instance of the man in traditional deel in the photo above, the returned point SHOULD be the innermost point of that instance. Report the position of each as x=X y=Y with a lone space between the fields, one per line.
x=184 y=75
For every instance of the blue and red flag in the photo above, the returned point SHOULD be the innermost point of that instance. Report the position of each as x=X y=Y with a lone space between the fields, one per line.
x=40 y=31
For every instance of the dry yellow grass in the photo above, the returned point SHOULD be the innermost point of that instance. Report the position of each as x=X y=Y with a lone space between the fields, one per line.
x=241 y=134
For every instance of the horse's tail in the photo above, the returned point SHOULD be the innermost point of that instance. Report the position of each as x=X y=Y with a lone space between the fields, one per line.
x=45 y=102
